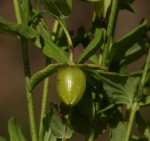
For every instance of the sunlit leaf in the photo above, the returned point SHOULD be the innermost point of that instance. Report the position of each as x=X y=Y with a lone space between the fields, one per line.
x=15 y=131
x=101 y=7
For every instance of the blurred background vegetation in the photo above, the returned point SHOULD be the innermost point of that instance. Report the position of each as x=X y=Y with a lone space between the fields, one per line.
x=12 y=89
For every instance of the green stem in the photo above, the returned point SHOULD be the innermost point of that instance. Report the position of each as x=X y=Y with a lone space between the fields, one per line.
x=24 y=46
x=131 y=120
x=44 y=103
x=55 y=29
x=109 y=32
x=146 y=70
x=70 y=44
x=17 y=11
x=32 y=122
x=90 y=136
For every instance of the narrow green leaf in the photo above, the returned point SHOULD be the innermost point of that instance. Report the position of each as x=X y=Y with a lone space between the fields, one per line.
x=135 y=52
x=15 y=131
x=94 y=58
x=2 y=139
x=122 y=89
x=50 y=49
x=42 y=74
x=17 y=29
x=53 y=51
x=58 y=8
x=101 y=7
x=25 y=7
x=122 y=45
x=93 y=46
x=43 y=31
x=127 y=4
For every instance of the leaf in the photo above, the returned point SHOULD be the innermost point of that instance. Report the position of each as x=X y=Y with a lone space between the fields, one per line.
x=15 y=131
x=57 y=124
x=42 y=74
x=43 y=30
x=118 y=130
x=58 y=8
x=93 y=46
x=50 y=49
x=53 y=51
x=101 y=7
x=2 y=139
x=48 y=136
x=144 y=101
x=122 y=89
x=135 y=52
x=94 y=58
x=119 y=48
x=25 y=7
x=17 y=29
x=127 y=4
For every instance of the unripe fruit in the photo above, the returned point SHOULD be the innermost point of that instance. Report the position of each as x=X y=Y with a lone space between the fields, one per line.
x=70 y=84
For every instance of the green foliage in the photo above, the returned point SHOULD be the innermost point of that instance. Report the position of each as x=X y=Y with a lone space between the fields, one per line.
x=57 y=124
x=15 y=131
x=93 y=46
x=113 y=96
x=122 y=89
x=2 y=139
x=21 y=30
x=58 y=8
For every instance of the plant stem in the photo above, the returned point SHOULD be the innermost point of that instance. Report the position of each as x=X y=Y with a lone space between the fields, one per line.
x=55 y=29
x=131 y=120
x=17 y=11
x=70 y=44
x=109 y=32
x=24 y=46
x=146 y=70
x=33 y=129
x=44 y=102
x=90 y=136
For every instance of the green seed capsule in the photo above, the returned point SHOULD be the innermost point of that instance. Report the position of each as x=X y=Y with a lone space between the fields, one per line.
x=70 y=85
